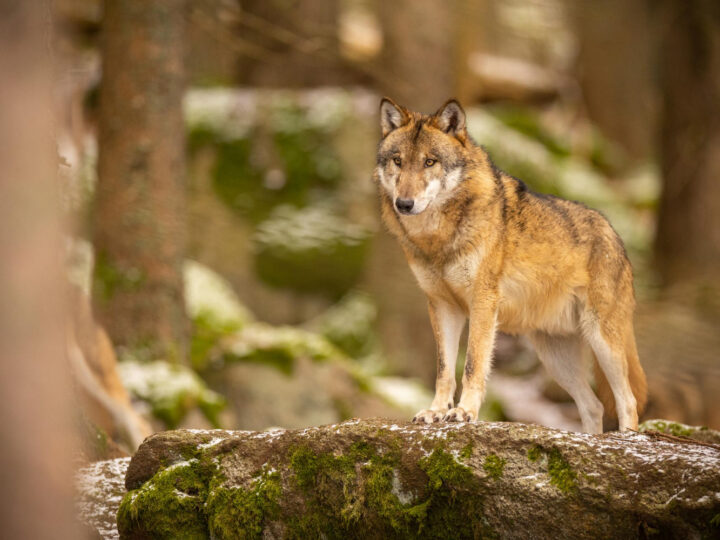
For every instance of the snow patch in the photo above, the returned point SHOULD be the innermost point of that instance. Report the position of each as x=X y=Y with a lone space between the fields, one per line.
x=101 y=487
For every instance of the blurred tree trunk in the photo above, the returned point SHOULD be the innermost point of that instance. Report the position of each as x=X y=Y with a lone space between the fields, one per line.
x=419 y=53
x=688 y=234
x=615 y=70
x=139 y=212
x=36 y=451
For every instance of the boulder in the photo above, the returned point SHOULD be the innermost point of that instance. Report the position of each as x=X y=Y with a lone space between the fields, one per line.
x=376 y=479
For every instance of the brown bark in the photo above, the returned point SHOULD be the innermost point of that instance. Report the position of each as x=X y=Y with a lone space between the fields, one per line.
x=420 y=52
x=615 y=70
x=139 y=207
x=36 y=451
x=688 y=234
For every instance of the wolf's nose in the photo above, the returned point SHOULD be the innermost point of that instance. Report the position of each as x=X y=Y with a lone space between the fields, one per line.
x=404 y=205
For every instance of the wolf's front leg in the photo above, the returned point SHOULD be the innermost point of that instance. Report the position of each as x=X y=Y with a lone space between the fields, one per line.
x=447 y=323
x=478 y=360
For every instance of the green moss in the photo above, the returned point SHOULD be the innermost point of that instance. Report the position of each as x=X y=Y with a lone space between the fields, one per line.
x=363 y=487
x=466 y=452
x=494 y=465
x=561 y=474
x=443 y=469
x=673 y=428
x=454 y=496
x=189 y=500
x=243 y=513
x=534 y=453
x=170 y=505
x=327 y=480
x=355 y=493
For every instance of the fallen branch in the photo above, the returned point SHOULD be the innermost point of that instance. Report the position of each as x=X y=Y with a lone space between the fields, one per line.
x=374 y=479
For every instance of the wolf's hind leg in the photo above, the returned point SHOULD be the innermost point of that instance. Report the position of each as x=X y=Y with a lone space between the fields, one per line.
x=611 y=358
x=561 y=356
x=447 y=322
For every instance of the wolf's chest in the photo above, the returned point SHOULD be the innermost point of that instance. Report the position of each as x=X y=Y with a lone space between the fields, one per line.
x=452 y=282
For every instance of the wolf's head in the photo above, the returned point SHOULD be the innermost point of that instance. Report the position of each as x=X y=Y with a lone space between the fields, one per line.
x=421 y=158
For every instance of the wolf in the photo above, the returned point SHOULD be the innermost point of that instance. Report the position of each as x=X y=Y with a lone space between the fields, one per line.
x=486 y=248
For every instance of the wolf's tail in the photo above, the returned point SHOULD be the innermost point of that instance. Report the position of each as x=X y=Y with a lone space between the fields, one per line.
x=638 y=385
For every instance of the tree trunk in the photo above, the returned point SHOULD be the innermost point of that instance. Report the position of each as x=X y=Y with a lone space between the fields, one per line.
x=419 y=52
x=35 y=399
x=688 y=234
x=139 y=208
x=373 y=479
x=614 y=65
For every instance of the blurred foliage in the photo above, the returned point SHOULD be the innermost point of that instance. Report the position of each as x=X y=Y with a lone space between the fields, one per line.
x=170 y=390
x=224 y=329
x=278 y=168
x=310 y=250
x=350 y=324
x=110 y=278
x=279 y=346
x=492 y=410
x=287 y=159
x=207 y=294
x=527 y=121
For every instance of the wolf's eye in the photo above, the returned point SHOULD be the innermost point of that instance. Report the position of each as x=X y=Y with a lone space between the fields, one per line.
x=430 y=162
x=397 y=161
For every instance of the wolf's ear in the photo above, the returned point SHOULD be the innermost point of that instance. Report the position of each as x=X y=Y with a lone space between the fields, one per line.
x=392 y=116
x=451 y=118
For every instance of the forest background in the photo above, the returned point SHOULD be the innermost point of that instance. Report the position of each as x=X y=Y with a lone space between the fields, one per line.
x=206 y=200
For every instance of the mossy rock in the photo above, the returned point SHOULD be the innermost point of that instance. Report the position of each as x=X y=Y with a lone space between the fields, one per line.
x=677 y=429
x=299 y=164
x=170 y=390
x=278 y=346
x=349 y=491
x=375 y=479
x=310 y=250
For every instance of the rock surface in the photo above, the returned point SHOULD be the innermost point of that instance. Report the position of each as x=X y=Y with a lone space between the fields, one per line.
x=100 y=488
x=375 y=479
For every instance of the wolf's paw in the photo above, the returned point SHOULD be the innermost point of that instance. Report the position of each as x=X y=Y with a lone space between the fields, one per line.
x=428 y=416
x=458 y=414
